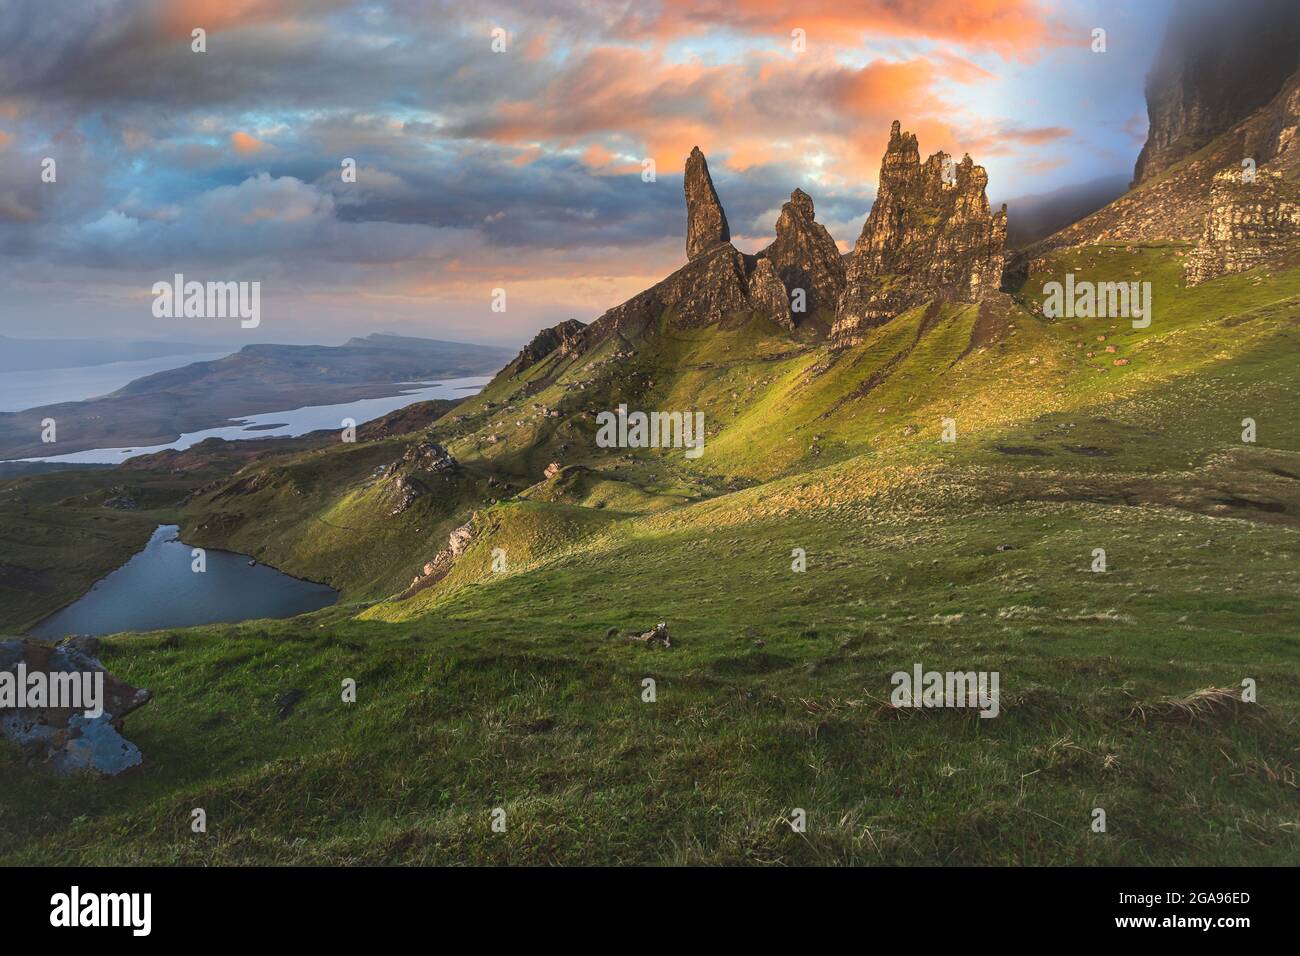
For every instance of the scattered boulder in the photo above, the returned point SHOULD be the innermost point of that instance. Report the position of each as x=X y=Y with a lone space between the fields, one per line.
x=656 y=635
x=86 y=734
x=285 y=703
x=122 y=499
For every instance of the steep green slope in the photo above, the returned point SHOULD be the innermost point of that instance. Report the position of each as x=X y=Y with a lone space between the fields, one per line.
x=776 y=407
x=517 y=687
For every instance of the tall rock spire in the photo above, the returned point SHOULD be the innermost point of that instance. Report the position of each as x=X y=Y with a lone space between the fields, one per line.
x=805 y=256
x=930 y=235
x=706 y=223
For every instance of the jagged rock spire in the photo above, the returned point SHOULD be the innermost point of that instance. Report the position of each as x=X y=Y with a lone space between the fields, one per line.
x=930 y=235
x=805 y=256
x=706 y=223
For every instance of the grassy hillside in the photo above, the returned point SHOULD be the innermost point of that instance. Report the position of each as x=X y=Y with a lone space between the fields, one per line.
x=518 y=688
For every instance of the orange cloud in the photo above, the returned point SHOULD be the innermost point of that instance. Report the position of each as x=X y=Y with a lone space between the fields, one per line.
x=244 y=144
x=815 y=112
x=1013 y=27
x=179 y=17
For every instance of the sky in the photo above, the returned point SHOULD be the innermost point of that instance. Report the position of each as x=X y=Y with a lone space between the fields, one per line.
x=517 y=168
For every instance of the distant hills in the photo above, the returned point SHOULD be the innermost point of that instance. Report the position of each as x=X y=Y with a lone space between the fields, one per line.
x=20 y=355
x=258 y=378
x=1034 y=217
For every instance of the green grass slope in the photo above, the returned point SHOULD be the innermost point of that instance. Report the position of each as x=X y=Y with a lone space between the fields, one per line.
x=518 y=688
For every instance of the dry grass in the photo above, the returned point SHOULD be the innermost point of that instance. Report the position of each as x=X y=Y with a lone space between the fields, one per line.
x=1203 y=706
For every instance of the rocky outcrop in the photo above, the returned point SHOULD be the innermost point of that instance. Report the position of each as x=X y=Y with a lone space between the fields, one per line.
x=806 y=257
x=712 y=287
x=657 y=636
x=1253 y=220
x=930 y=235
x=767 y=295
x=437 y=569
x=706 y=223
x=72 y=739
x=121 y=498
x=1219 y=63
x=563 y=339
x=425 y=456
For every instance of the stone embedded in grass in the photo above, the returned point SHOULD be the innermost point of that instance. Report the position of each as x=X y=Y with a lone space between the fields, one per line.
x=656 y=635
x=71 y=738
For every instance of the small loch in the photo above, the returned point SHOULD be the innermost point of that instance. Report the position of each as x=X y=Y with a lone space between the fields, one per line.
x=158 y=588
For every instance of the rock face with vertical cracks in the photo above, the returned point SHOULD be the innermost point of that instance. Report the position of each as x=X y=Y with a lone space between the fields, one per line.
x=1252 y=221
x=706 y=223
x=806 y=257
x=930 y=235
x=65 y=737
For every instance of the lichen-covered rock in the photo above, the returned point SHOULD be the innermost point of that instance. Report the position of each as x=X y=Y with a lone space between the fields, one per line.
x=805 y=256
x=767 y=295
x=1252 y=221
x=71 y=739
x=929 y=235
x=706 y=223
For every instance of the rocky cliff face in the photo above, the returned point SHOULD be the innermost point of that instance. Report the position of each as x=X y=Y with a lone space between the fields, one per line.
x=805 y=256
x=563 y=338
x=1219 y=63
x=706 y=223
x=930 y=235
x=1176 y=206
x=1252 y=221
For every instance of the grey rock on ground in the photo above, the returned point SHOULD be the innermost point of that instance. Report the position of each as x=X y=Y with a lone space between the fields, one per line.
x=65 y=737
